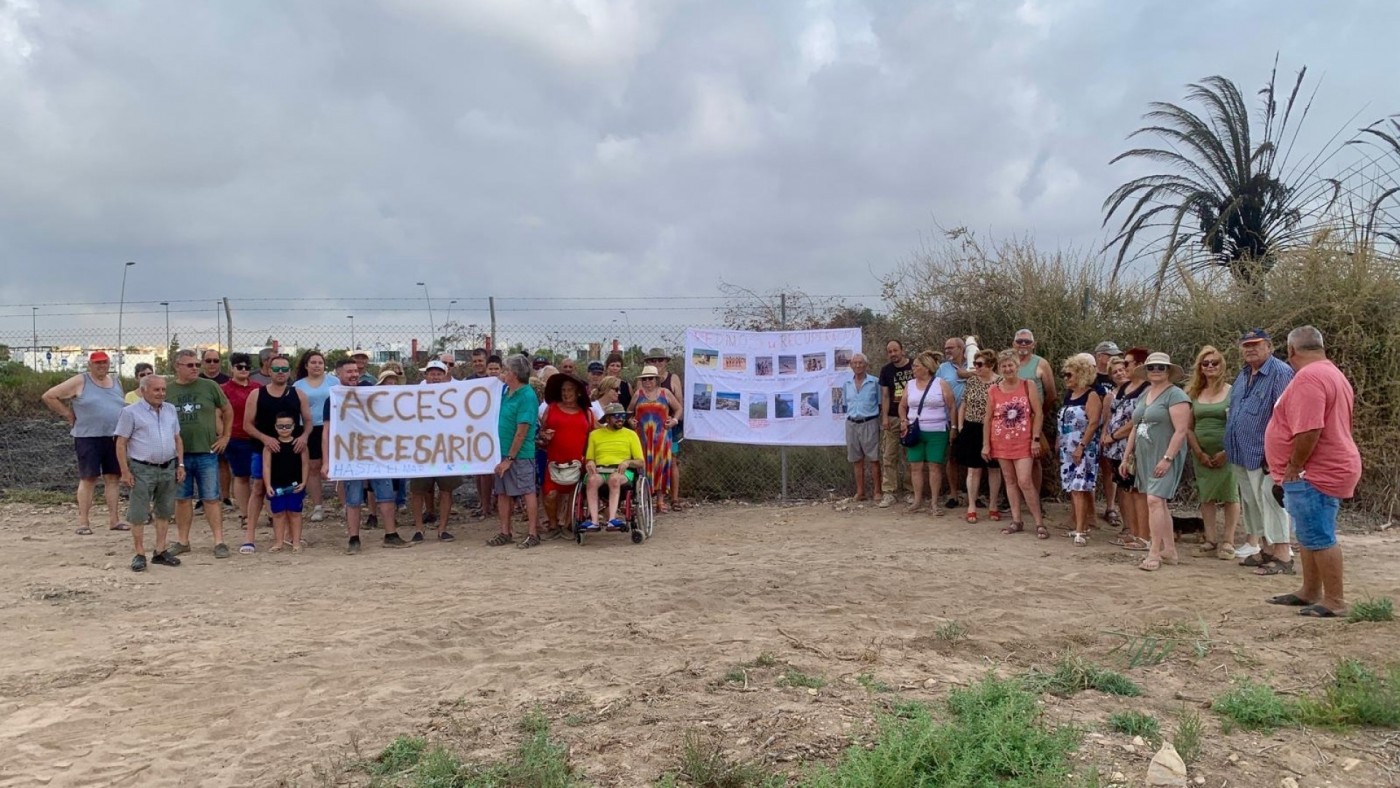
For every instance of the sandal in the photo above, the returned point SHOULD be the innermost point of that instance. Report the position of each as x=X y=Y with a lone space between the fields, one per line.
x=120 y=527
x=1138 y=545
x=1112 y=517
x=1014 y=528
x=1080 y=539
x=1206 y=548
x=971 y=517
x=1274 y=567
x=530 y=541
x=1258 y=559
x=1150 y=564
x=248 y=548
x=499 y=539
x=1289 y=600
x=1317 y=611
x=938 y=512
x=1226 y=552
x=1041 y=532
x=994 y=515
x=83 y=530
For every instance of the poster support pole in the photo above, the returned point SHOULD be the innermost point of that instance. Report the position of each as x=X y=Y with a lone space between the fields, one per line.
x=782 y=452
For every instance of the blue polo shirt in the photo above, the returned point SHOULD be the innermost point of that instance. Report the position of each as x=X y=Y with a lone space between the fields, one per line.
x=522 y=407
x=949 y=371
x=865 y=403
x=1251 y=407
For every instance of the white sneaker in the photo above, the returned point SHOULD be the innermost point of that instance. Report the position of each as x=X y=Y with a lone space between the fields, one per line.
x=1246 y=550
x=886 y=501
x=318 y=514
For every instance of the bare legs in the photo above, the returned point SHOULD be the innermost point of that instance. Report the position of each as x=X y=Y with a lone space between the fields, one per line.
x=859 y=467
x=87 y=488
x=138 y=535
x=916 y=482
x=1322 y=578
x=1083 y=504
x=184 y=519
x=1020 y=484
x=1161 y=544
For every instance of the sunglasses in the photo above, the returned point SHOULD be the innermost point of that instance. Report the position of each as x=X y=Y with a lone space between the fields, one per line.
x=188 y=364
x=140 y=375
x=211 y=361
x=978 y=364
x=280 y=369
x=1210 y=363
x=286 y=426
x=1157 y=367
x=241 y=366
x=1024 y=341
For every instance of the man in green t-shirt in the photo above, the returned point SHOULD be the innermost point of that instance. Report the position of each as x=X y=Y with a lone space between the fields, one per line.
x=206 y=422
x=515 y=475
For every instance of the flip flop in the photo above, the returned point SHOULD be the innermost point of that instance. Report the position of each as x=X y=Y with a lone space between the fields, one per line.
x=83 y=531
x=120 y=527
x=1289 y=600
x=1316 y=611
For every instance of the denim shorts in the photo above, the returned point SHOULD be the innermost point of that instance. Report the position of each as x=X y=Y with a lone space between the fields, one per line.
x=383 y=490
x=240 y=456
x=1314 y=514
x=201 y=470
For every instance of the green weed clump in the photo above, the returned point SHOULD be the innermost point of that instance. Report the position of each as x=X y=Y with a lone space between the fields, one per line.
x=1188 y=736
x=950 y=632
x=1379 y=609
x=1255 y=706
x=1073 y=674
x=993 y=734
x=408 y=762
x=704 y=765
x=873 y=684
x=796 y=678
x=1135 y=723
x=1357 y=696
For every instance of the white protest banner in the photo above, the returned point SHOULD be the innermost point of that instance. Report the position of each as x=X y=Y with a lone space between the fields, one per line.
x=403 y=432
x=775 y=388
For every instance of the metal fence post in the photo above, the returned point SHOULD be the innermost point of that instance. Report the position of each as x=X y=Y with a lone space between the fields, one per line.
x=782 y=452
x=491 y=302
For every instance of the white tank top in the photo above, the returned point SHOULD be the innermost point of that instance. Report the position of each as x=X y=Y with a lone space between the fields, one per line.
x=934 y=417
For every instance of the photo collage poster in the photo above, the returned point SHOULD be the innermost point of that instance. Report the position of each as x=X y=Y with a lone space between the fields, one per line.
x=772 y=388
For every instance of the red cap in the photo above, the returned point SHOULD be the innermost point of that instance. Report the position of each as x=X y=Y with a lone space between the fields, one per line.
x=99 y=355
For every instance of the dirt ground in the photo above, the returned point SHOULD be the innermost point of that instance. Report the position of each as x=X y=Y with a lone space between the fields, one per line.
x=284 y=669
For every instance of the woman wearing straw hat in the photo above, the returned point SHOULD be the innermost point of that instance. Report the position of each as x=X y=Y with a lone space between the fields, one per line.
x=1156 y=451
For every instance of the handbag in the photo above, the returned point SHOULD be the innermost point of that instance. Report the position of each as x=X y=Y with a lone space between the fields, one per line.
x=565 y=473
x=915 y=433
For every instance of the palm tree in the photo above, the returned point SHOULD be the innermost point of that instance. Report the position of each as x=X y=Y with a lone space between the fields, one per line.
x=1238 y=200
x=1385 y=135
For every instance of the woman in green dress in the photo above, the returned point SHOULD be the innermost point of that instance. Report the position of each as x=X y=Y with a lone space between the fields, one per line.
x=1156 y=451
x=1215 y=483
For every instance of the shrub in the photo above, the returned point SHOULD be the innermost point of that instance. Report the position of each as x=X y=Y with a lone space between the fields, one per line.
x=1188 y=736
x=1135 y=723
x=1380 y=609
x=1074 y=674
x=1255 y=706
x=1357 y=696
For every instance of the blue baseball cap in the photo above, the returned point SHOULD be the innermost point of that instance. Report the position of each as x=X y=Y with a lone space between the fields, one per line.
x=1255 y=335
x=595 y=366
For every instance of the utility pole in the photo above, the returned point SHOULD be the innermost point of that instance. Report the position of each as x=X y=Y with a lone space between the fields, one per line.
x=352 y=333
x=782 y=452
x=166 y=304
x=228 y=314
x=121 y=308
x=34 y=320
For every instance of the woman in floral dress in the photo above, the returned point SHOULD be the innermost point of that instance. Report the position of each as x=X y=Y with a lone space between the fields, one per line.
x=1079 y=440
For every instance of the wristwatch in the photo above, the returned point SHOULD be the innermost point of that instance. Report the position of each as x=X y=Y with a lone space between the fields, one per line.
x=510 y=457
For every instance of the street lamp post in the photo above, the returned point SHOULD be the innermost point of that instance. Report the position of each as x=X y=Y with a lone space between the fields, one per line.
x=432 y=340
x=352 y=333
x=449 y=310
x=34 y=324
x=166 y=304
x=121 y=309
x=629 y=326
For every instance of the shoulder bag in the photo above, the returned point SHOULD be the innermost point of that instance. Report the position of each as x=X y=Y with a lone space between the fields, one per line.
x=915 y=433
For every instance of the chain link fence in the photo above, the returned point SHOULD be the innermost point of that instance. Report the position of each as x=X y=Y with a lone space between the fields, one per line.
x=35 y=451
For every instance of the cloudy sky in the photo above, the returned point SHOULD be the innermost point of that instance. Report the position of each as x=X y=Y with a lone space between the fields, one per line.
x=528 y=148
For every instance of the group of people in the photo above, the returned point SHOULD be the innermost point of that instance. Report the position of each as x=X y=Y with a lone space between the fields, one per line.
x=261 y=432
x=1273 y=449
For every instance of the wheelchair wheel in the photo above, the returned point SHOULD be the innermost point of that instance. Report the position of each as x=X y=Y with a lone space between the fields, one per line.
x=578 y=506
x=645 y=514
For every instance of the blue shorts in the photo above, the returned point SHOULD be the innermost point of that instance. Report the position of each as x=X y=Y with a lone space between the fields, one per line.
x=1314 y=514
x=201 y=470
x=283 y=504
x=240 y=456
x=383 y=490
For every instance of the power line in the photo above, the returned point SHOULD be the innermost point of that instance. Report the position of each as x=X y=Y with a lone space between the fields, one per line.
x=418 y=300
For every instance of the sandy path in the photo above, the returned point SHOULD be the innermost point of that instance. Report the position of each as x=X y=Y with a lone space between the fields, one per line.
x=258 y=669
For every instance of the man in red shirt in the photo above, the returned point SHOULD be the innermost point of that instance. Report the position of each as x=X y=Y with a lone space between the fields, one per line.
x=239 y=453
x=1311 y=454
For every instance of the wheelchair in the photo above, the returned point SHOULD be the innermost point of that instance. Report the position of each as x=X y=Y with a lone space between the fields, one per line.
x=636 y=508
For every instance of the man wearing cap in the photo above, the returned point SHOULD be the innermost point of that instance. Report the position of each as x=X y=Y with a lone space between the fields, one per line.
x=91 y=403
x=861 y=393
x=540 y=360
x=1312 y=456
x=595 y=375
x=151 y=457
x=362 y=364
x=348 y=374
x=1036 y=369
x=613 y=457
x=1103 y=353
x=671 y=382
x=421 y=498
x=1260 y=383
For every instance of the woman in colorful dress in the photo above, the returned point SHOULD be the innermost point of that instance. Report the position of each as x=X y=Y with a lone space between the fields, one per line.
x=967 y=449
x=1079 y=424
x=928 y=402
x=1014 y=419
x=311 y=379
x=1156 y=452
x=1121 y=402
x=565 y=422
x=654 y=412
x=1215 y=483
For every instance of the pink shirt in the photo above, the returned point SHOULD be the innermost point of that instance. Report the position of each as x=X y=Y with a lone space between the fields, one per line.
x=1319 y=397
